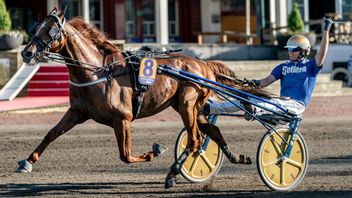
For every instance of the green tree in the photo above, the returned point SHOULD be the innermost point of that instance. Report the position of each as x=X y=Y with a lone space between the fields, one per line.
x=5 y=20
x=295 y=22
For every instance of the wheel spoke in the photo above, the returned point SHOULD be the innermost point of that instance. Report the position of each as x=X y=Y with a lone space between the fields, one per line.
x=294 y=163
x=194 y=165
x=282 y=173
x=207 y=162
x=276 y=146
x=270 y=163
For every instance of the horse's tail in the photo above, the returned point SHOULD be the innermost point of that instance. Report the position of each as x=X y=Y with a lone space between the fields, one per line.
x=225 y=75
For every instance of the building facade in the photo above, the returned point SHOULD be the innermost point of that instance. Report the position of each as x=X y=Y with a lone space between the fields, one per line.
x=141 y=21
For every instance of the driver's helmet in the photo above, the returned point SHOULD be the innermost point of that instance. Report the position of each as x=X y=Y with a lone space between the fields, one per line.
x=299 y=41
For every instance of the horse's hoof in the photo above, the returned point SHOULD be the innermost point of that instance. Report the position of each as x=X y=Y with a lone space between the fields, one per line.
x=171 y=182
x=244 y=159
x=159 y=149
x=24 y=167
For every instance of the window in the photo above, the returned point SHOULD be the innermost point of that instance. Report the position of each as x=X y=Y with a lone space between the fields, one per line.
x=73 y=8
x=148 y=17
x=130 y=17
x=95 y=13
x=173 y=18
x=347 y=9
x=16 y=15
x=22 y=18
x=236 y=8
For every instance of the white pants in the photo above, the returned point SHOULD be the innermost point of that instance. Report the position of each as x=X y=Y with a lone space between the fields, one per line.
x=227 y=107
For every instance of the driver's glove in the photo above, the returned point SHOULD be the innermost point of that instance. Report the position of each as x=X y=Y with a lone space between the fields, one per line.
x=327 y=24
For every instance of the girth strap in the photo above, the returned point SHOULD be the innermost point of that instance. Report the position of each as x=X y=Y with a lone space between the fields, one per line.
x=133 y=62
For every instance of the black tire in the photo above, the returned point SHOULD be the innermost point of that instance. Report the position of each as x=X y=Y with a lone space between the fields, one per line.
x=342 y=74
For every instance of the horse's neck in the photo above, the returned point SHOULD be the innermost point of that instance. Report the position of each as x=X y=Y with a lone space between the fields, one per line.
x=84 y=51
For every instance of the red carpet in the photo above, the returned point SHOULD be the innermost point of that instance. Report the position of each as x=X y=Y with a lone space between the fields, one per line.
x=32 y=102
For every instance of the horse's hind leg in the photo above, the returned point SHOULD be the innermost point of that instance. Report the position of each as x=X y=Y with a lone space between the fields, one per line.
x=214 y=133
x=70 y=119
x=122 y=129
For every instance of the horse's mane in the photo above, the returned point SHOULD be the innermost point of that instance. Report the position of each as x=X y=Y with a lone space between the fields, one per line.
x=225 y=75
x=93 y=34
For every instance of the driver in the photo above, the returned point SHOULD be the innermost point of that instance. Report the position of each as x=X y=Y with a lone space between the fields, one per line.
x=297 y=77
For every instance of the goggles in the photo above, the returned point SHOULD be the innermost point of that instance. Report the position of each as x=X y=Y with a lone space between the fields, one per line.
x=296 y=49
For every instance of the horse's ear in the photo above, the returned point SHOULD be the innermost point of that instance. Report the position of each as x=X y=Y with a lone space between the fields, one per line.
x=53 y=11
x=62 y=13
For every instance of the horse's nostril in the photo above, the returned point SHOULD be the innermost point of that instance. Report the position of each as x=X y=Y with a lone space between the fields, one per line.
x=28 y=54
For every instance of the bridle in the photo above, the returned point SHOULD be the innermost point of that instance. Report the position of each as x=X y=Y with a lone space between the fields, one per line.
x=55 y=33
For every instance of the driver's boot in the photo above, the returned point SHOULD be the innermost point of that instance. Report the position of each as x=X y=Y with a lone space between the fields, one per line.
x=250 y=109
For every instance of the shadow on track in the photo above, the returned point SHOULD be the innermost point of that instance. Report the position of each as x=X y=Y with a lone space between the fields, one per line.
x=150 y=189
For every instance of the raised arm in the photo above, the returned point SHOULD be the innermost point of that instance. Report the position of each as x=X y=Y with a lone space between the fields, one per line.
x=320 y=56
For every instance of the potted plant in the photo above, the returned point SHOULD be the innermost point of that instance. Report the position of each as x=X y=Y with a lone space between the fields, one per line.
x=8 y=39
x=295 y=26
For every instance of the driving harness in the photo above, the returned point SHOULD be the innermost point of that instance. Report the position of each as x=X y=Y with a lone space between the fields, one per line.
x=139 y=89
x=133 y=65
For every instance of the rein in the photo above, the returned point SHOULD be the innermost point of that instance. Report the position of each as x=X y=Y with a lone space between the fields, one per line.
x=62 y=59
x=55 y=57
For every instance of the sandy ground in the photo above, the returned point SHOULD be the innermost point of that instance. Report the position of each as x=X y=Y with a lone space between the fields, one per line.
x=85 y=161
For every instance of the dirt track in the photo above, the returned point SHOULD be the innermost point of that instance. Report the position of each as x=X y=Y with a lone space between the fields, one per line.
x=85 y=161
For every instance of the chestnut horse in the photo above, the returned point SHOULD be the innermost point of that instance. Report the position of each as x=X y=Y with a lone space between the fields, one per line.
x=90 y=57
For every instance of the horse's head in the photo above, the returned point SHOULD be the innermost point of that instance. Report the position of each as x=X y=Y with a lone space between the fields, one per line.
x=49 y=36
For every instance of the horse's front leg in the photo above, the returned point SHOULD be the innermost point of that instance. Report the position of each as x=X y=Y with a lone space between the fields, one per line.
x=122 y=129
x=68 y=121
x=188 y=110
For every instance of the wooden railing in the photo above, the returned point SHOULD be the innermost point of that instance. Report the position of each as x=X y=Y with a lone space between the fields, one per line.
x=341 y=31
x=223 y=36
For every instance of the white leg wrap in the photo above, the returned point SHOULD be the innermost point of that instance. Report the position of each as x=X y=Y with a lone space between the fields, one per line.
x=24 y=167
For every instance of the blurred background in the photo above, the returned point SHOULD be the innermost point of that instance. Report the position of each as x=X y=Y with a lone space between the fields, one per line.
x=228 y=30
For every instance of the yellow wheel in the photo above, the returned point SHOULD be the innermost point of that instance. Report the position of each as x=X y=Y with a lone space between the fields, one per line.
x=200 y=166
x=278 y=172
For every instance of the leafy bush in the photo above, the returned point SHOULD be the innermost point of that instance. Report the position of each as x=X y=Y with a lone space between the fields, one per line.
x=5 y=20
x=295 y=22
x=5 y=24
